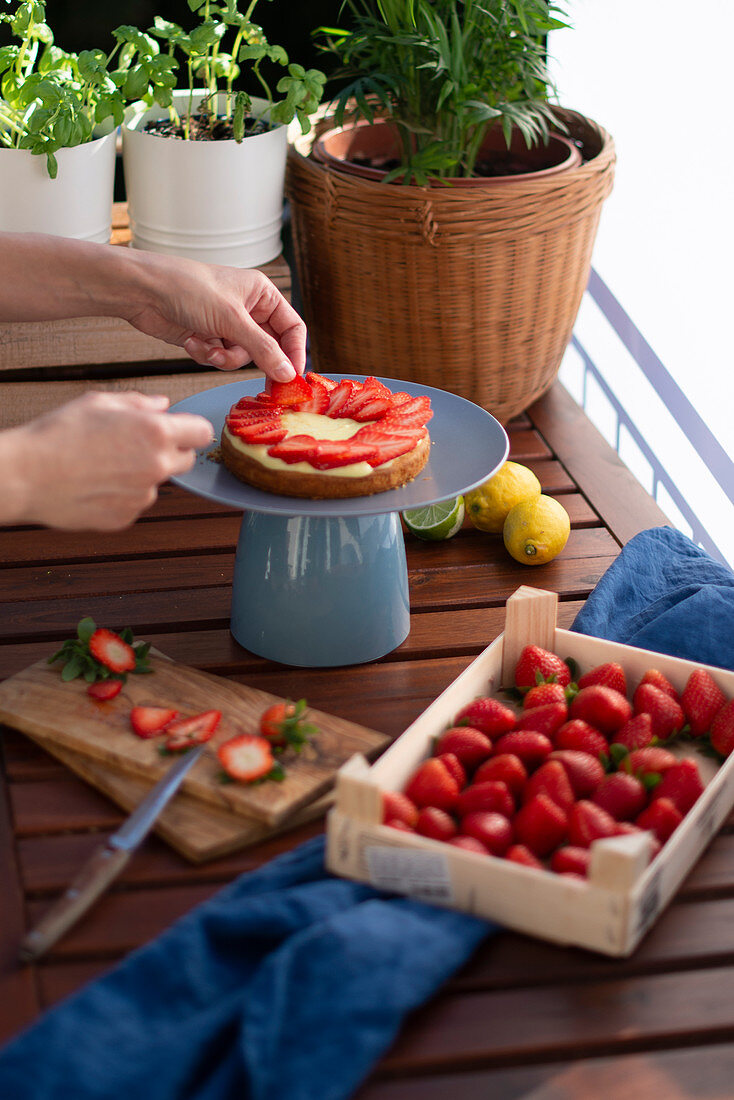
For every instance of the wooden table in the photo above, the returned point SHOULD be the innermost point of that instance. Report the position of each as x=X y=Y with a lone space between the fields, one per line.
x=523 y=1018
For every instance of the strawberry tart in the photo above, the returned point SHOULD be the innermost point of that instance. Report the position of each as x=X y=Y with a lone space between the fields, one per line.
x=318 y=438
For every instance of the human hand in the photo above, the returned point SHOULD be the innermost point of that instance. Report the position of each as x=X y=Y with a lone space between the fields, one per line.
x=96 y=462
x=223 y=316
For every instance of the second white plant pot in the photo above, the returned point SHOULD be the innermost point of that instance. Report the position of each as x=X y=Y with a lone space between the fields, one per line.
x=216 y=201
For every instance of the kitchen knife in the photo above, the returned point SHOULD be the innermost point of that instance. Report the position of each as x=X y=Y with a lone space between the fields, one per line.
x=106 y=863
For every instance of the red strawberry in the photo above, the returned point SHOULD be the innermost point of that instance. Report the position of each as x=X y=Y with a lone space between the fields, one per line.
x=312 y=377
x=589 y=822
x=661 y=817
x=246 y=757
x=621 y=795
x=541 y=825
x=297 y=448
x=636 y=733
x=328 y=454
x=609 y=675
x=399 y=399
x=662 y=683
x=319 y=400
x=432 y=785
x=573 y=859
x=542 y=694
x=286 y=723
x=551 y=779
x=507 y=768
x=410 y=414
x=396 y=823
x=536 y=665
x=488 y=715
x=372 y=409
x=436 y=824
x=289 y=393
x=105 y=689
x=701 y=700
x=532 y=748
x=150 y=721
x=262 y=403
x=470 y=843
x=666 y=714
x=722 y=729
x=518 y=853
x=387 y=445
x=339 y=396
x=396 y=806
x=602 y=707
x=681 y=784
x=584 y=771
x=109 y=649
x=470 y=745
x=454 y=767
x=544 y=719
x=494 y=795
x=581 y=737
x=492 y=829
x=649 y=760
x=260 y=431
x=182 y=733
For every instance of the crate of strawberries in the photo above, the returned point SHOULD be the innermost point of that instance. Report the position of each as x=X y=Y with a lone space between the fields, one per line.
x=562 y=785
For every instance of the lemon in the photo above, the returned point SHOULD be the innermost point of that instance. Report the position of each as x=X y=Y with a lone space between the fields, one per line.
x=436 y=521
x=487 y=506
x=536 y=530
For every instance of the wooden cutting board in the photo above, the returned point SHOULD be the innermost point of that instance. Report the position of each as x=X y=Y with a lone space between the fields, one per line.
x=37 y=702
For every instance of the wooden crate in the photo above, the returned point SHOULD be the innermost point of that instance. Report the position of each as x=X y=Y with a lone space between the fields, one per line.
x=623 y=895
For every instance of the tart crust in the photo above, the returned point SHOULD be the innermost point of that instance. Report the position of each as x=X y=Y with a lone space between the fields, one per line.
x=296 y=483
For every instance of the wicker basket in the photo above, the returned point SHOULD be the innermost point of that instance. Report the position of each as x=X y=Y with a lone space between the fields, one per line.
x=471 y=290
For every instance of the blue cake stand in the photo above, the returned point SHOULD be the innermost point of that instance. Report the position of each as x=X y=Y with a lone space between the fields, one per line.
x=319 y=583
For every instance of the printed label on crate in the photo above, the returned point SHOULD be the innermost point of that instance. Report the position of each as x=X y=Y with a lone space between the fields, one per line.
x=422 y=875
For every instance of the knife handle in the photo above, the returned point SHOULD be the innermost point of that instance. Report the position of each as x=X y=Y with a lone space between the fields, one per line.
x=95 y=876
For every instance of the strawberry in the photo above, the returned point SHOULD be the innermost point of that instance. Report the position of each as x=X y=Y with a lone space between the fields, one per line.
x=701 y=700
x=246 y=757
x=621 y=795
x=666 y=714
x=722 y=729
x=488 y=715
x=312 y=377
x=290 y=393
x=584 y=771
x=661 y=817
x=182 y=733
x=532 y=748
x=518 y=853
x=551 y=779
x=432 y=785
x=662 y=683
x=397 y=823
x=105 y=689
x=507 y=768
x=681 y=784
x=492 y=829
x=111 y=651
x=387 y=445
x=410 y=414
x=581 y=737
x=542 y=694
x=436 y=824
x=649 y=760
x=150 y=721
x=328 y=454
x=339 y=396
x=541 y=825
x=319 y=400
x=284 y=724
x=454 y=767
x=470 y=843
x=636 y=733
x=259 y=431
x=570 y=858
x=261 y=405
x=536 y=665
x=400 y=398
x=609 y=675
x=603 y=707
x=493 y=795
x=396 y=806
x=297 y=448
x=544 y=719
x=470 y=745
x=589 y=822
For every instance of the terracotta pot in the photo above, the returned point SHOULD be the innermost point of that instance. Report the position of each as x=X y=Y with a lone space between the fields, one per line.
x=379 y=142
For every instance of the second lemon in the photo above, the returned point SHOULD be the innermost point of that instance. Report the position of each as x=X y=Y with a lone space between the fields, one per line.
x=488 y=505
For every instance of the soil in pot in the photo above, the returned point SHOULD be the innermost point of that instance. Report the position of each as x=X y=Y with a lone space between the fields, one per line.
x=204 y=127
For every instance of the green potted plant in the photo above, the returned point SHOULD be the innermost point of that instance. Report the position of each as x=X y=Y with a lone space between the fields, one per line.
x=468 y=264
x=58 y=113
x=204 y=162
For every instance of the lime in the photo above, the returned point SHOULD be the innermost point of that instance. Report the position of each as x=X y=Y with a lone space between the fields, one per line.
x=436 y=521
x=488 y=505
x=536 y=530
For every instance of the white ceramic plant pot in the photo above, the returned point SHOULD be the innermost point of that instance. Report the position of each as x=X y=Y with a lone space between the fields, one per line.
x=217 y=201
x=78 y=203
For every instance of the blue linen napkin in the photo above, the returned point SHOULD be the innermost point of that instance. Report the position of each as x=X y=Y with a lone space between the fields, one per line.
x=289 y=984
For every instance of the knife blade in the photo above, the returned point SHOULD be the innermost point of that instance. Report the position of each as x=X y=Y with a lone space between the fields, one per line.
x=106 y=862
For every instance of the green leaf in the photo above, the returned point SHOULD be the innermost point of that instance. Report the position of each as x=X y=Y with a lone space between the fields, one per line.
x=72 y=669
x=85 y=629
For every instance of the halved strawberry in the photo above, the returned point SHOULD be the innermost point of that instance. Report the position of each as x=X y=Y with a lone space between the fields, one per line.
x=252 y=416
x=386 y=444
x=372 y=409
x=261 y=403
x=412 y=414
x=328 y=383
x=289 y=393
x=400 y=398
x=149 y=722
x=327 y=454
x=105 y=689
x=109 y=649
x=185 y=732
x=339 y=396
x=246 y=757
x=295 y=449
x=263 y=431
x=319 y=400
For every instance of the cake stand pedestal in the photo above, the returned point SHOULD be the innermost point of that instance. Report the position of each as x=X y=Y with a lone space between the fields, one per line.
x=320 y=583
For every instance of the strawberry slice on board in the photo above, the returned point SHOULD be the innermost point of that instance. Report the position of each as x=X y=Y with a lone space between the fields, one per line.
x=111 y=651
x=297 y=448
x=246 y=757
x=329 y=383
x=290 y=393
x=150 y=721
x=183 y=733
x=105 y=689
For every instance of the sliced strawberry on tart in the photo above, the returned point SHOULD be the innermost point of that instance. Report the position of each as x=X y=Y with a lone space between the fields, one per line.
x=316 y=437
